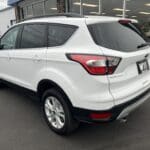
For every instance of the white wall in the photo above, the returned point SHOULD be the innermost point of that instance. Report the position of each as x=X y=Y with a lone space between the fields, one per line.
x=6 y=16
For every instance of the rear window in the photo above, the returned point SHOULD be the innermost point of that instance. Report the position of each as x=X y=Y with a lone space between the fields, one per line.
x=121 y=37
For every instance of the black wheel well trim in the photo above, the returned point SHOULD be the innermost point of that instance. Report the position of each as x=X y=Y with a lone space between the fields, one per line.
x=51 y=84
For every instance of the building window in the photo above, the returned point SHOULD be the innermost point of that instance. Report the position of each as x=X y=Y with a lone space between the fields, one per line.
x=89 y=6
x=51 y=6
x=41 y=7
x=12 y=22
x=29 y=11
x=38 y=9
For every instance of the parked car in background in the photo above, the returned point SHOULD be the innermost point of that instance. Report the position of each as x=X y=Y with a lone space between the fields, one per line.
x=148 y=34
x=83 y=69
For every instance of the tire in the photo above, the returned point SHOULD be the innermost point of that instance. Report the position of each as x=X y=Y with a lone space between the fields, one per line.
x=57 y=113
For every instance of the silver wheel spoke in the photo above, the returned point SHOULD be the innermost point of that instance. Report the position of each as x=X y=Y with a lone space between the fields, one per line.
x=60 y=112
x=49 y=105
x=58 y=122
x=61 y=115
x=54 y=112
x=51 y=118
x=53 y=100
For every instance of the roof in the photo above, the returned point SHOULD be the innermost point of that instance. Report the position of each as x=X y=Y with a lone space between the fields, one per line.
x=75 y=19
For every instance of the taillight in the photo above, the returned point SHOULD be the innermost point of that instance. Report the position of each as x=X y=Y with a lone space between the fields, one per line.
x=101 y=116
x=96 y=64
x=125 y=21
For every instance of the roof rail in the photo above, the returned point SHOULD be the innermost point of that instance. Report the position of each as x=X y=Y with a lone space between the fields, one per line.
x=73 y=15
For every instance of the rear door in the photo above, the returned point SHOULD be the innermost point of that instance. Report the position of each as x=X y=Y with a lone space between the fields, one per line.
x=123 y=40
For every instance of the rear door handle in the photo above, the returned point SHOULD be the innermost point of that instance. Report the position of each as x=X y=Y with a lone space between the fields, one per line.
x=36 y=58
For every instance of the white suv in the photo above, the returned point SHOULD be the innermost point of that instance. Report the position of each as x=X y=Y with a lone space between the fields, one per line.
x=90 y=69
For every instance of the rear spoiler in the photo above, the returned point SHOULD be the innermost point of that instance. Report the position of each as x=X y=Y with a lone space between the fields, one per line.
x=126 y=21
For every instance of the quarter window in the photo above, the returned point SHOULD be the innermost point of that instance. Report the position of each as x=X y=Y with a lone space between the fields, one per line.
x=34 y=36
x=59 y=34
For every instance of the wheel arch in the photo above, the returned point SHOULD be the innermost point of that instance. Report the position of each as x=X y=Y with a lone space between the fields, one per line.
x=46 y=84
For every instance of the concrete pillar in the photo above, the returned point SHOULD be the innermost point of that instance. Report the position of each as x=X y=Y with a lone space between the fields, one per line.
x=100 y=7
x=17 y=13
x=124 y=9
x=81 y=7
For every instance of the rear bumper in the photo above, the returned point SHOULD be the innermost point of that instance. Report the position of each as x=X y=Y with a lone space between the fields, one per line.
x=117 y=112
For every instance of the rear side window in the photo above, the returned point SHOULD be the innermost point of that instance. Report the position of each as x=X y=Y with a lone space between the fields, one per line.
x=33 y=36
x=117 y=36
x=59 y=34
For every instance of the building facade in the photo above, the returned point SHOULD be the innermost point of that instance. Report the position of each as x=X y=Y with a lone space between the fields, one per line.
x=29 y=8
x=136 y=9
x=8 y=18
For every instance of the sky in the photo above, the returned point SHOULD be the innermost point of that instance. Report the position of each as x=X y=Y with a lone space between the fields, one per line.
x=3 y=4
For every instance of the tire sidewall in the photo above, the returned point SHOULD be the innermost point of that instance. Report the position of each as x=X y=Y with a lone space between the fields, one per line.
x=61 y=98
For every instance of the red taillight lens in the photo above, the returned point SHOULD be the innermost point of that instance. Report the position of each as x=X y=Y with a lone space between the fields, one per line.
x=95 y=64
x=125 y=21
x=101 y=116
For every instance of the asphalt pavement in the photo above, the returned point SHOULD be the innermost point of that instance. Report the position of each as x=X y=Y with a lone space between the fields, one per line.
x=22 y=127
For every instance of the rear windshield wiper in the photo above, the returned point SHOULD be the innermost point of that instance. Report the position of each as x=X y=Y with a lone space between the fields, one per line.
x=143 y=45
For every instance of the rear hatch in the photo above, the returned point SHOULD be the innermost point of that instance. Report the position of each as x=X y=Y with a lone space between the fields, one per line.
x=123 y=40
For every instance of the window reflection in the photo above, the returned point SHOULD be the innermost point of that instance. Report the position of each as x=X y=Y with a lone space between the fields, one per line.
x=135 y=9
x=40 y=8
